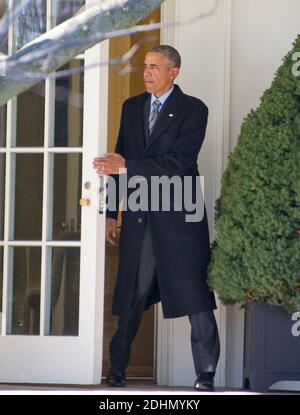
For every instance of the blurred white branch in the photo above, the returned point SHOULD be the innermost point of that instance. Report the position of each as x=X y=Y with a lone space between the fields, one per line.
x=101 y=20
x=58 y=47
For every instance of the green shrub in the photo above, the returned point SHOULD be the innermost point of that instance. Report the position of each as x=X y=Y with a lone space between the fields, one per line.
x=256 y=253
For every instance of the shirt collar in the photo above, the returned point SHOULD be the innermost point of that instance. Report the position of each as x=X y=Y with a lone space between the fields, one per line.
x=163 y=98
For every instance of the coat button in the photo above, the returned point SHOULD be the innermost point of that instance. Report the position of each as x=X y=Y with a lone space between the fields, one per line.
x=140 y=220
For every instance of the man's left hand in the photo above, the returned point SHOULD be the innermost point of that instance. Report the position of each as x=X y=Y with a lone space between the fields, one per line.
x=111 y=163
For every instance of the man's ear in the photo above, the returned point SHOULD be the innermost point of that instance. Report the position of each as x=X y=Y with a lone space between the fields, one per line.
x=174 y=73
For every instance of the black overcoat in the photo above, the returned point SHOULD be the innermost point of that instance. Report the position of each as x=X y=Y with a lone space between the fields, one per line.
x=181 y=248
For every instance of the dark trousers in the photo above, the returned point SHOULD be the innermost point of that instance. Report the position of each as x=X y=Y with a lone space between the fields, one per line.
x=204 y=332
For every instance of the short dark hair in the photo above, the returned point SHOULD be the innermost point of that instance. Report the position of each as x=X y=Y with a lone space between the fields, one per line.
x=170 y=53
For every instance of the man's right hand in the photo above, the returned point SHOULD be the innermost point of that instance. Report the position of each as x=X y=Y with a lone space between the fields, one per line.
x=110 y=233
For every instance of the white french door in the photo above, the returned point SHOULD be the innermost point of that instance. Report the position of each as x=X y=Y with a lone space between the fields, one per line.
x=52 y=247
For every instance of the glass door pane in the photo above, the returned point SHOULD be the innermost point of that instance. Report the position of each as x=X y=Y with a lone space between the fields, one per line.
x=3 y=126
x=31 y=21
x=2 y=195
x=66 y=219
x=31 y=117
x=65 y=284
x=67 y=8
x=69 y=106
x=26 y=290
x=4 y=40
x=28 y=206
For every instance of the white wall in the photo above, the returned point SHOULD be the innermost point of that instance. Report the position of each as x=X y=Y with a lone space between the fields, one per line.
x=262 y=33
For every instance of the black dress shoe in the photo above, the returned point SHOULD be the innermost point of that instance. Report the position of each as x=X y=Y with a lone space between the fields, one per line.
x=116 y=379
x=205 y=382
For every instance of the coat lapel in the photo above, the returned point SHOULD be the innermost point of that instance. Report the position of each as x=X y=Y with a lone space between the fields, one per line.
x=146 y=112
x=139 y=122
x=168 y=114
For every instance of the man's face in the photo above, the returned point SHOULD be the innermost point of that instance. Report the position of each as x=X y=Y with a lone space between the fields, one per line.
x=158 y=74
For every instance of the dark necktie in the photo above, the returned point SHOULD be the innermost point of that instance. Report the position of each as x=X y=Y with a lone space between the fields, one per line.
x=154 y=114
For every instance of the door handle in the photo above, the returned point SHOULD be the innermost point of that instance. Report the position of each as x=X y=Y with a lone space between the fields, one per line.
x=84 y=202
x=101 y=196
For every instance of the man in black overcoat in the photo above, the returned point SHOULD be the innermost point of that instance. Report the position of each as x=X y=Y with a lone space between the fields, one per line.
x=163 y=252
